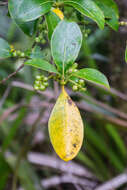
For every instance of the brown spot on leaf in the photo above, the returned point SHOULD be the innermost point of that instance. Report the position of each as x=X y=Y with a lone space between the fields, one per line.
x=70 y=101
x=74 y=145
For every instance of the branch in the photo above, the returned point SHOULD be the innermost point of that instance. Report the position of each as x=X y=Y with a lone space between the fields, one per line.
x=12 y=74
x=3 y=3
x=57 y=164
x=24 y=150
x=57 y=180
x=114 y=183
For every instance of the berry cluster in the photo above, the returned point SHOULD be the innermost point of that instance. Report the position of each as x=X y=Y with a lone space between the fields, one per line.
x=41 y=83
x=79 y=85
x=16 y=53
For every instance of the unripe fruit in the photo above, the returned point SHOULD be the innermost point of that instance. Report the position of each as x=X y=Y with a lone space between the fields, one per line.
x=75 y=70
x=45 y=84
x=81 y=81
x=22 y=54
x=37 y=82
x=38 y=77
x=42 y=87
x=36 y=87
x=66 y=127
x=45 y=79
x=75 y=88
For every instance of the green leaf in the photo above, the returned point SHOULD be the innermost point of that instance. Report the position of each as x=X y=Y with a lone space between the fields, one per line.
x=41 y=64
x=26 y=174
x=12 y=132
x=126 y=54
x=14 y=9
x=65 y=44
x=29 y=10
x=52 y=21
x=113 y=132
x=89 y=9
x=93 y=76
x=4 y=172
x=110 y=11
x=108 y=7
x=4 y=49
x=36 y=53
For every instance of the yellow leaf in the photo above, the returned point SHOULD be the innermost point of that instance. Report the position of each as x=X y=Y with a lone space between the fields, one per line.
x=59 y=13
x=66 y=127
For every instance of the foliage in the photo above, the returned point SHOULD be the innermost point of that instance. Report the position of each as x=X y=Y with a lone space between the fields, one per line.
x=51 y=42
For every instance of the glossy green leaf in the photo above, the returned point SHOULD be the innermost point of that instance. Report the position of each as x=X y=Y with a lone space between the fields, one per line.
x=89 y=9
x=52 y=21
x=41 y=64
x=27 y=176
x=4 y=172
x=14 y=9
x=4 y=49
x=29 y=10
x=108 y=7
x=126 y=54
x=100 y=144
x=12 y=132
x=93 y=76
x=110 y=11
x=36 y=53
x=65 y=44
x=117 y=139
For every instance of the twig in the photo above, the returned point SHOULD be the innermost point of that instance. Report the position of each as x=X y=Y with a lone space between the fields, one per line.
x=56 y=180
x=114 y=183
x=12 y=74
x=23 y=151
x=55 y=163
x=5 y=96
x=3 y=3
x=85 y=106
x=9 y=111
x=18 y=84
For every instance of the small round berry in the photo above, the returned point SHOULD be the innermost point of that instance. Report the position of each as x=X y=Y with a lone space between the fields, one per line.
x=42 y=87
x=19 y=52
x=62 y=82
x=46 y=84
x=36 y=87
x=81 y=81
x=37 y=39
x=37 y=82
x=14 y=54
x=75 y=88
x=22 y=54
x=45 y=79
x=38 y=77
x=70 y=70
x=75 y=65
x=75 y=70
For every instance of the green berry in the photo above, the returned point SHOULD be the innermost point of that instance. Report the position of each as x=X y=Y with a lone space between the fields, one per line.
x=19 y=52
x=75 y=88
x=37 y=82
x=38 y=77
x=14 y=54
x=75 y=65
x=81 y=82
x=70 y=70
x=75 y=70
x=42 y=87
x=36 y=87
x=45 y=84
x=37 y=39
x=45 y=79
x=22 y=54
